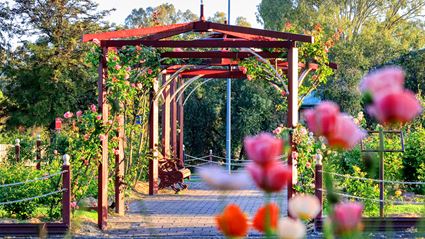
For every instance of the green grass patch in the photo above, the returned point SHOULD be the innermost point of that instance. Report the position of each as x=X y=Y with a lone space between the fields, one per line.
x=85 y=214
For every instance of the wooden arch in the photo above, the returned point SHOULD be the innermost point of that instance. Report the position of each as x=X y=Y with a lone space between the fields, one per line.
x=220 y=36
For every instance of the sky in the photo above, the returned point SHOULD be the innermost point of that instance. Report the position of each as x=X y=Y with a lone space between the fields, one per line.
x=245 y=8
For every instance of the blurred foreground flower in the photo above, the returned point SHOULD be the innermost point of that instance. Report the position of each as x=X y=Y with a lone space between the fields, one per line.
x=395 y=107
x=263 y=148
x=270 y=211
x=272 y=177
x=338 y=128
x=347 y=218
x=218 y=178
x=232 y=222
x=384 y=80
x=388 y=101
x=305 y=207
x=291 y=229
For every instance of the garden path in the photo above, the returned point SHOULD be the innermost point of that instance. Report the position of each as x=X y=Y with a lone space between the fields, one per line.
x=189 y=214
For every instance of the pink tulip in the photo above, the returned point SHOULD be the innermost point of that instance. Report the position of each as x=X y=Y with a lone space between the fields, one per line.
x=79 y=113
x=346 y=133
x=347 y=217
x=384 y=80
x=272 y=177
x=68 y=115
x=263 y=148
x=321 y=120
x=395 y=107
x=117 y=67
x=93 y=108
x=99 y=117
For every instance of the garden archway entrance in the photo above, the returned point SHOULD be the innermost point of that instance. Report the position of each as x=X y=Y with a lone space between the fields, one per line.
x=216 y=61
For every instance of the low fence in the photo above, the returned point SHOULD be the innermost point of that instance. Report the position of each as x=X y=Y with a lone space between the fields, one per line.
x=22 y=229
x=370 y=223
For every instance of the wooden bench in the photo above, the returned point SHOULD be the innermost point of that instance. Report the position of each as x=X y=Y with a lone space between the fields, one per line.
x=170 y=175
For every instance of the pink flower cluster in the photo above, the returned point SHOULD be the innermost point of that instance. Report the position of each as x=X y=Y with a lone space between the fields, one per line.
x=338 y=128
x=268 y=172
x=391 y=102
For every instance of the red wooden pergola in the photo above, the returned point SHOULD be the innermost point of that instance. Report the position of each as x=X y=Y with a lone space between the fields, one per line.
x=219 y=37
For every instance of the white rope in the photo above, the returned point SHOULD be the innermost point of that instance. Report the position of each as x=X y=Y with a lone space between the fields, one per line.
x=374 y=180
x=193 y=157
x=372 y=199
x=33 y=180
x=32 y=198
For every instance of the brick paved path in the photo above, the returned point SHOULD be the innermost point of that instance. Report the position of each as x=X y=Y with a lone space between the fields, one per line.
x=189 y=214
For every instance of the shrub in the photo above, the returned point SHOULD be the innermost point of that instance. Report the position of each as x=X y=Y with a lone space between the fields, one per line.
x=27 y=209
x=414 y=158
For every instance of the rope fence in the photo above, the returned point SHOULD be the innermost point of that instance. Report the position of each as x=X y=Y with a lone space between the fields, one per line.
x=372 y=199
x=373 y=180
x=34 y=180
x=33 y=198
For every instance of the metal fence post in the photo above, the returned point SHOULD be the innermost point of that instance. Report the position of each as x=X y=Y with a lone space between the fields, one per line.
x=38 y=152
x=66 y=197
x=18 y=150
x=210 y=155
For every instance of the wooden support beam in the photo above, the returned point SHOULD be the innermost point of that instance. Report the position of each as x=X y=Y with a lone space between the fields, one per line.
x=138 y=32
x=102 y=196
x=221 y=54
x=119 y=169
x=166 y=119
x=210 y=73
x=180 y=116
x=226 y=43
x=292 y=109
x=153 y=139
x=173 y=114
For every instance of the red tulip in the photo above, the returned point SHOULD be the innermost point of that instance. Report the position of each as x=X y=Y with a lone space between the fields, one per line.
x=233 y=223
x=321 y=120
x=268 y=212
x=272 y=177
x=346 y=133
x=384 y=80
x=347 y=217
x=263 y=148
x=395 y=107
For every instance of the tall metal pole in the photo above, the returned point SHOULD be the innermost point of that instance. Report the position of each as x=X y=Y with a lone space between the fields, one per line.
x=228 y=111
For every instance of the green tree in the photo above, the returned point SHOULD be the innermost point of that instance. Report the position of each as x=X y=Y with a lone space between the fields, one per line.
x=366 y=34
x=242 y=21
x=48 y=77
x=164 y=14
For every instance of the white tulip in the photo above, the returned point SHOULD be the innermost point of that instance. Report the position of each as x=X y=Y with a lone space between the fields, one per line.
x=291 y=229
x=218 y=178
x=305 y=207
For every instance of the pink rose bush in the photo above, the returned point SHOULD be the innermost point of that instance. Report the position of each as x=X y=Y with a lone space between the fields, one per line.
x=68 y=115
x=391 y=102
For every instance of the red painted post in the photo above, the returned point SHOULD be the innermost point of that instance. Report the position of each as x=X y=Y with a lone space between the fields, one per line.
x=18 y=150
x=119 y=169
x=153 y=140
x=318 y=182
x=38 y=152
x=180 y=117
x=102 y=197
x=166 y=119
x=173 y=114
x=292 y=105
x=66 y=196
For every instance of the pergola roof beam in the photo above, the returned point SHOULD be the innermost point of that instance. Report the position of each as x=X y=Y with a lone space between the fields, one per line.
x=228 y=43
x=221 y=54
